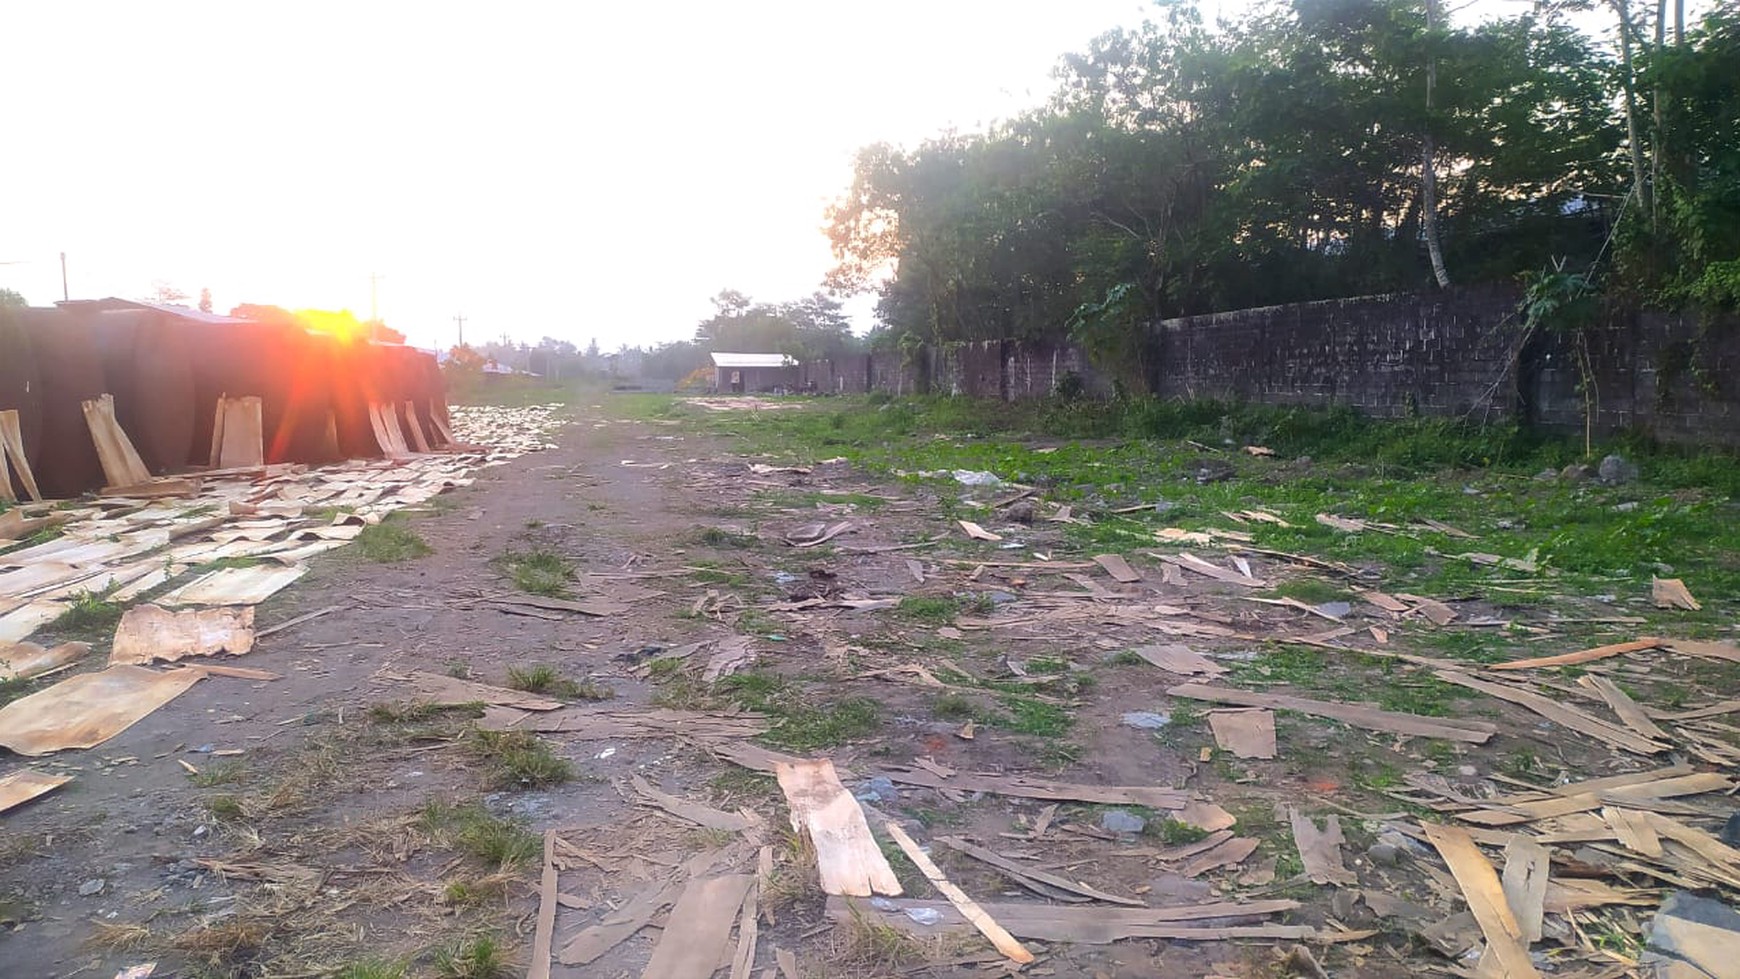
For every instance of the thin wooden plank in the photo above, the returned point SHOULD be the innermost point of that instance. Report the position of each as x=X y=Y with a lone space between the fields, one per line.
x=1621 y=704
x=1580 y=656
x=998 y=936
x=1633 y=830
x=115 y=453
x=698 y=932
x=1560 y=714
x=148 y=632
x=1023 y=874
x=544 y=933
x=1117 y=567
x=1526 y=866
x=1476 y=732
x=1181 y=659
x=1485 y=895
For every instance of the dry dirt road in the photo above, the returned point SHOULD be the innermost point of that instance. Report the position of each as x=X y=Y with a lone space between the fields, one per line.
x=341 y=824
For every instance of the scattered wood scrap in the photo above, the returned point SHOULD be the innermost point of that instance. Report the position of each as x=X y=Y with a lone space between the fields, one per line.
x=1117 y=567
x=23 y=785
x=1672 y=593
x=23 y=660
x=148 y=632
x=88 y=709
x=977 y=532
x=988 y=926
x=1581 y=656
x=1181 y=659
x=1622 y=705
x=437 y=688
x=1455 y=729
x=1561 y=714
x=1524 y=883
x=703 y=816
x=544 y=932
x=1191 y=562
x=235 y=586
x=847 y=856
x=1089 y=925
x=1228 y=853
x=1320 y=849
x=1346 y=525
x=729 y=656
x=1041 y=882
x=593 y=724
x=1480 y=885
x=1246 y=733
x=1021 y=786
x=817 y=534
x=697 y=937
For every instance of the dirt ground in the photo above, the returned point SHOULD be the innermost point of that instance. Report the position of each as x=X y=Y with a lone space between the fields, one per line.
x=338 y=837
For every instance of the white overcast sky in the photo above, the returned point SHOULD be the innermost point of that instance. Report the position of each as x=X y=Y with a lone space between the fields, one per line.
x=567 y=169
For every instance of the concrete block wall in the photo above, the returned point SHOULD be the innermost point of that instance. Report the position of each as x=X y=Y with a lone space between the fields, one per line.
x=1455 y=354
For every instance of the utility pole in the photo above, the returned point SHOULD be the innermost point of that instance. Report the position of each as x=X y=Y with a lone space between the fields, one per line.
x=64 y=294
x=461 y=321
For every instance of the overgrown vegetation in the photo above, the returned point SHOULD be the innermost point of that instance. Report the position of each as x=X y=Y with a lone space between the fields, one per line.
x=548 y=680
x=518 y=759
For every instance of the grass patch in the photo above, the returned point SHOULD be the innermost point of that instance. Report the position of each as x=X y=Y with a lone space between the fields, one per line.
x=1312 y=591
x=1172 y=832
x=547 y=680
x=953 y=707
x=222 y=773
x=1034 y=717
x=418 y=711
x=390 y=541
x=933 y=609
x=1126 y=657
x=537 y=572
x=472 y=829
x=827 y=726
x=518 y=759
x=90 y=616
x=479 y=957
x=727 y=537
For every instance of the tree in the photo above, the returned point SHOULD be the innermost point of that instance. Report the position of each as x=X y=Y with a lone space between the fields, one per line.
x=166 y=294
x=205 y=300
x=12 y=297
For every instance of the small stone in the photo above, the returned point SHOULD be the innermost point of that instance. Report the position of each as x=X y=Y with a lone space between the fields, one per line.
x=1731 y=831
x=1021 y=512
x=199 y=831
x=883 y=786
x=1335 y=610
x=1001 y=597
x=1146 y=720
x=1626 y=507
x=1574 y=473
x=1467 y=771
x=1616 y=470
x=1546 y=475
x=1119 y=821
x=1384 y=854
x=92 y=887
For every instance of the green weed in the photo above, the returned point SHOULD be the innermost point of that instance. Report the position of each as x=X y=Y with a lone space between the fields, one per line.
x=474 y=830
x=537 y=572
x=390 y=541
x=518 y=759
x=481 y=957
x=933 y=609
x=89 y=616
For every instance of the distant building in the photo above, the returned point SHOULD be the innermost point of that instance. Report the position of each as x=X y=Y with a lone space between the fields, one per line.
x=750 y=373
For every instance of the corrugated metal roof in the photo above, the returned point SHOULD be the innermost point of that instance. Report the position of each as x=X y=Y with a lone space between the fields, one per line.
x=753 y=360
x=185 y=312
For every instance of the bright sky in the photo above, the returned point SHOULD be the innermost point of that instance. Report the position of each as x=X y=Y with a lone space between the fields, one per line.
x=577 y=170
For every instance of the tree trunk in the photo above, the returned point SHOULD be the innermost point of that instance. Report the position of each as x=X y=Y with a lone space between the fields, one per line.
x=1639 y=183
x=1429 y=168
x=1657 y=140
